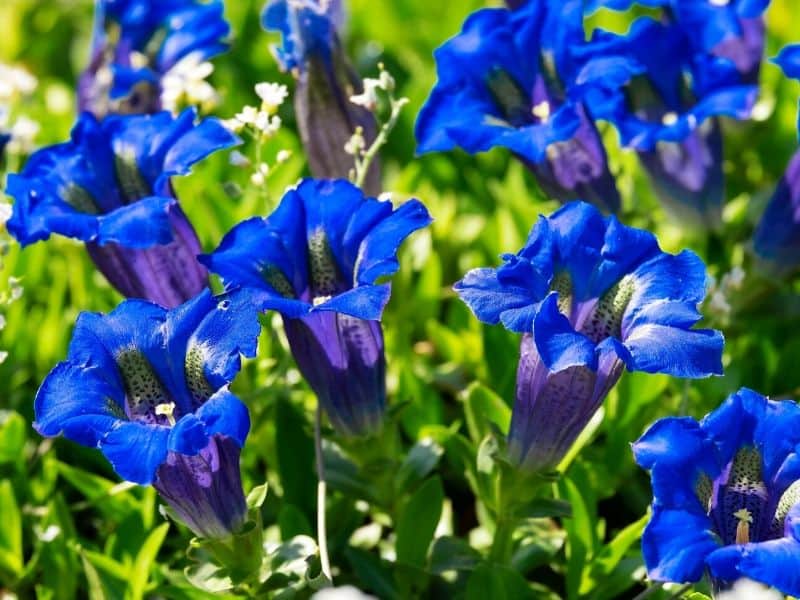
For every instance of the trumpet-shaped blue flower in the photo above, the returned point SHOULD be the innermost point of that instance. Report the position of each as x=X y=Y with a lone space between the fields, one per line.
x=726 y=494
x=149 y=388
x=137 y=42
x=326 y=117
x=316 y=260
x=638 y=82
x=591 y=297
x=732 y=30
x=109 y=186
x=506 y=80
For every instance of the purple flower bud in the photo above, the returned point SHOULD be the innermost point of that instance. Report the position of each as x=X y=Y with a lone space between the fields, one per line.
x=326 y=117
x=777 y=238
x=553 y=407
x=687 y=176
x=205 y=490
x=343 y=361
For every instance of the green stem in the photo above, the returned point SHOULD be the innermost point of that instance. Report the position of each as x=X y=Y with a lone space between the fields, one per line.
x=502 y=543
x=322 y=535
x=362 y=166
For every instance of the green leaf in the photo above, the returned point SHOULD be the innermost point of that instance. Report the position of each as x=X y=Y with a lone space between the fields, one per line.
x=12 y=437
x=140 y=570
x=95 y=585
x=11 y=559
x=257 y=496
x=545 y=507
x=420 y=461
x=453 y=554
x=418 y=522
x=373 y=572
x=482 y=406
x=497 y=582
x=292 y=522
x=611 y=554
x=295 y=449
x=581 y=536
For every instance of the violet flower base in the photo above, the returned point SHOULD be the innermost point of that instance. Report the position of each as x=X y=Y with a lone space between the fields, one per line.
x=551 y=409
x=577 y=169
x=688 y=179
x=205 y=491
x=168 y=275
x=343 y=360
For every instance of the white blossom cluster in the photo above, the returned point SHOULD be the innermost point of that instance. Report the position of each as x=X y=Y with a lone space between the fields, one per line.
x=15 y=85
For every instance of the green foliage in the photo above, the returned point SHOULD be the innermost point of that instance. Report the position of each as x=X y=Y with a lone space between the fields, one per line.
x=415 y=514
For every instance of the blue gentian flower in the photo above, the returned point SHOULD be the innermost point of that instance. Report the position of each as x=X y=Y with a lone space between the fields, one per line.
x=638 y=82
x=316 y=260
x=149 y=388
x=505 y=81
x=776 y=240
x=137 y=42
x=109 y=186
x=591 y=297
x=729 y=29
x=726 y=494
x=312 y=51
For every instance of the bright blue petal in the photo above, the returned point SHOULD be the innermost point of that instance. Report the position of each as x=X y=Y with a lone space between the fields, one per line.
x=139 y=225
x=136 y=450
x=674 y=351
x=188 y=436
x=225 y=414
x=365 y=302
x=788 y=59
x=678 y=453
x=678 y=279
x=557 y=342
x=377 y=256
x=78 y=402
x=675 y=545
x=775 y=563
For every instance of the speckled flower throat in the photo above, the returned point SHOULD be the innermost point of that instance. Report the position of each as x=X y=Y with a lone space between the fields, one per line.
x=742 y=507
x=596 y=318
x=149 y=401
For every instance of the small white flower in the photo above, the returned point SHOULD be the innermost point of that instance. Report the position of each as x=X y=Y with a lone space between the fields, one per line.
x=283 y=156
x=23 y=132
x=233 y=125
x=186 y=83
x=746 y=589
x=345 y=592
x=356 y=143
x=5 y=212
x=272 y=95
x=257 y=178
x=369 y=97
x=248 y=115
x=15 y=81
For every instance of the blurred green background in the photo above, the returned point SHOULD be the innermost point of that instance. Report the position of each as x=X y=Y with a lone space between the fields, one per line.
x=67 y=529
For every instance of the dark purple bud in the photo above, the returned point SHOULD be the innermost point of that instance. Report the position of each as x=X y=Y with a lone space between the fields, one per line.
x=577 y=169
x=552 y=408
x=777 y=237
x=687 y=176
x=167 y=274
x=327 y=119
x=342 y=359
x=205 y=490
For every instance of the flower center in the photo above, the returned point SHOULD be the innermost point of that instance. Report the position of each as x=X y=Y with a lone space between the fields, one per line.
x=511 y=99
x=144 y=392
x=606 y=320
x=743 y=527
x=741 y=504
x=131 y=182
x=322 y=266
